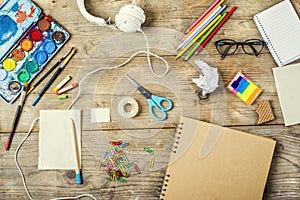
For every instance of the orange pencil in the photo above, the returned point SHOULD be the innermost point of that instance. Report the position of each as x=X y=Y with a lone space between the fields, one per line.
x=212 y=10
x=201 y=17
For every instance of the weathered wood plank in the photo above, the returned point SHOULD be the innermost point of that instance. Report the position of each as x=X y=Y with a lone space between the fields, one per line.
x=282 y=181
x=103 y=90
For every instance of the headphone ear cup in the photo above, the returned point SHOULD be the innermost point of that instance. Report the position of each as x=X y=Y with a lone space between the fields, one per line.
x=130 y=18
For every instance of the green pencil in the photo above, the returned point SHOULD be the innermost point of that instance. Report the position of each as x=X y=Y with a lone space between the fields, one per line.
x=204 y=37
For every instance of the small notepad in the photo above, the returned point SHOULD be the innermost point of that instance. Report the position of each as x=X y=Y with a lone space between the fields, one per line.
x=280 y=28
x=55 y=139
x=287 y=84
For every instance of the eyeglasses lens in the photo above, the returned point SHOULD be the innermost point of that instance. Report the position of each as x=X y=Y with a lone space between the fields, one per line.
x=226 y=46
x=253 y=47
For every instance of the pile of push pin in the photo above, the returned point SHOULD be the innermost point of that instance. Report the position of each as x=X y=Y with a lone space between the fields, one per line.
x=116 y=162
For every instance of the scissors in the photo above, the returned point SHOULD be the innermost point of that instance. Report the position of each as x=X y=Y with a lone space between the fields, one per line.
x=155 y=102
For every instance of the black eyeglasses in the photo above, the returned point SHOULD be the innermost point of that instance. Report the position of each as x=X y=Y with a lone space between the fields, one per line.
x=251 y=47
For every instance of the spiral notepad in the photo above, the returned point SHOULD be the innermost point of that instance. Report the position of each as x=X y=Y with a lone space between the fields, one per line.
x=279 y=26
x=213 y=162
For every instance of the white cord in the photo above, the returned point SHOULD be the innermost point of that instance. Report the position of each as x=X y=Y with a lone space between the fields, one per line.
x=76 y=98
x=120 y=65
x=16 y=159
x=78 y=197
x=22 y=174
x=148 y=57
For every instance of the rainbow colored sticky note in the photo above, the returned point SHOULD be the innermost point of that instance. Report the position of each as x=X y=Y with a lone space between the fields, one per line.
x=245 y=89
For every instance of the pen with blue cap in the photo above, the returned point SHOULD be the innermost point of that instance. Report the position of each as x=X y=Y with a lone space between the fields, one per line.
x=55 y=75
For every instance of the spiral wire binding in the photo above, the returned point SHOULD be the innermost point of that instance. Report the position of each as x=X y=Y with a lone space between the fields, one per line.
x=268 y=42
x=173 y=150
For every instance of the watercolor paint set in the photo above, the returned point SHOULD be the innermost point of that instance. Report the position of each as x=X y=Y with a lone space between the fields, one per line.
x=28 y=41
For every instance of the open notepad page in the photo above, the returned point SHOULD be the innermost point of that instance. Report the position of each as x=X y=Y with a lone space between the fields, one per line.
x=280 y=28
x=56 y=149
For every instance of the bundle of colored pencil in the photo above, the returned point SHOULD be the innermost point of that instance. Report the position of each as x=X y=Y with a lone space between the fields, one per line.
x=203 y=29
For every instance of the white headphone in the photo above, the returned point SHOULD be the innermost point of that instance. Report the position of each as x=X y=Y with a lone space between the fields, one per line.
x=129 y=19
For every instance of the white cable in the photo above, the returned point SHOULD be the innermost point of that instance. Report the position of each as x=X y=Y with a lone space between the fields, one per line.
x=16 y=159
x=78 y=197
x=76 y=98
x=115 y=67
x=148 y=57
x=22 y=174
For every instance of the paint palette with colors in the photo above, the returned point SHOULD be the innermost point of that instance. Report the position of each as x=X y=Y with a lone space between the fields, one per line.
x=30 y=55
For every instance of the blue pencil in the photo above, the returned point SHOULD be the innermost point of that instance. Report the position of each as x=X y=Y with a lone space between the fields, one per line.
x=195 y=33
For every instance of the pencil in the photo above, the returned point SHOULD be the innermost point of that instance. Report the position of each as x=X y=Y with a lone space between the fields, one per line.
x=204 y=37
x=196 y=38
x=203 y=26
x=218 y=5
x=76 y=152
x=216 y=30
x=46 y=74
x=201 y=17
x=55 y=75
x=17 y=116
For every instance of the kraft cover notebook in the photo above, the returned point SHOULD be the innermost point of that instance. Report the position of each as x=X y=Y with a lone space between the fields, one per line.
x=279 y=26
x=213 y=162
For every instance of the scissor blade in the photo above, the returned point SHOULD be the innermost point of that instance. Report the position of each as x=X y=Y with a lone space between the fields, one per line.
x=132 y=81
x=145 y=92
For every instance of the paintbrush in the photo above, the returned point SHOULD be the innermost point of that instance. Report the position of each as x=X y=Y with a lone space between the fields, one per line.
x=17 y=115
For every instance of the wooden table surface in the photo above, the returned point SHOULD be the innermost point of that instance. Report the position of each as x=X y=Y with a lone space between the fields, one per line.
x=98 y=47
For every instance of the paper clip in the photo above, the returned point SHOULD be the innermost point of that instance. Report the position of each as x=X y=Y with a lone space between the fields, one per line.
x=113 y=176
x=123 y=171
x=123 y=145
x=137 y=169
x=152 y=162
x=148 y=150
x=129 y=164
x=116 y=143
x=122 y=180
x=98 y=164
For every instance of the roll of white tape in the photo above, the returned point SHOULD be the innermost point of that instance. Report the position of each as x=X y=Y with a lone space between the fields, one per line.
x=128 y=107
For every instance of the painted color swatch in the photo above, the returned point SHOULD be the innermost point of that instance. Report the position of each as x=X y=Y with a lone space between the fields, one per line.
x=29 y=56
x=245 y=89
x=16 y=17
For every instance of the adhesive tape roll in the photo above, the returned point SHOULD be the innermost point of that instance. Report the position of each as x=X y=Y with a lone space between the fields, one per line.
x=128 y=107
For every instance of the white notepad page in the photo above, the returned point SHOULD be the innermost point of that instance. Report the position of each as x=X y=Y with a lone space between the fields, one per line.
x=55 y=139
x=280 y=28
x=287 y=84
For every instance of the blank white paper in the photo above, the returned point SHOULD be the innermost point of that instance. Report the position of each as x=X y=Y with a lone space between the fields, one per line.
x=100 y=115
x=287 y=83
x=55 y=139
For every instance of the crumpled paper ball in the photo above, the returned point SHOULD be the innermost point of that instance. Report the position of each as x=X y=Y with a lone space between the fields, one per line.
x=208 y=80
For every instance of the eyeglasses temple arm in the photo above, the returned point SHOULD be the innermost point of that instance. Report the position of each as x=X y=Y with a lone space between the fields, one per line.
x=226 y=51
x=253 y=49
